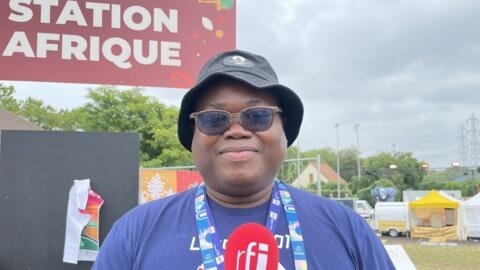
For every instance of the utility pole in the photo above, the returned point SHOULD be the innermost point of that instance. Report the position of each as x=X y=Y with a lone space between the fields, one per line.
x=337 y=125
x=298 y=157
x=355 y=127
x=474 y=186
x=319 y=178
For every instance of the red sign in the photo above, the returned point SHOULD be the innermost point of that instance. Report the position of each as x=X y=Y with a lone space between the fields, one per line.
x=125 y=42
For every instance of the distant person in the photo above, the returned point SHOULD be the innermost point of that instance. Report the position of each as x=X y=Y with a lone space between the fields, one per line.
x=238 y=122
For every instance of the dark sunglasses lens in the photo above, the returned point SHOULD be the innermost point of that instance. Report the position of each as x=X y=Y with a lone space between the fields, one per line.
x=213 y=122
x=257 y=119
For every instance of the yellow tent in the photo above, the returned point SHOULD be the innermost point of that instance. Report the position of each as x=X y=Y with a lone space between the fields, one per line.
x=434 y=199
x=434 y=216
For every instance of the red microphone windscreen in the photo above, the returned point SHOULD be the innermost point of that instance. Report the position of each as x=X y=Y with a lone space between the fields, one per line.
x=251 y=246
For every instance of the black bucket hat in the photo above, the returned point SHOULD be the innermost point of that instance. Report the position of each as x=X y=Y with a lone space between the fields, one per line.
x=255 y=71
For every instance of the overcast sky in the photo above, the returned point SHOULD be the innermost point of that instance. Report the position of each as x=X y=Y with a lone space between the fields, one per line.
x=408 y=72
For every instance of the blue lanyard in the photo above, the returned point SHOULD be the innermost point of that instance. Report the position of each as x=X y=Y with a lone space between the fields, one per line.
x=211 y=246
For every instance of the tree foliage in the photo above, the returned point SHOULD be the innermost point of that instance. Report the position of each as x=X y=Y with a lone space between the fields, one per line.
x=289 y=170
x=34 y=110
x=109 y=109
x=7 y=100
x=401 y=168
x=347 y=160
x=114 y=110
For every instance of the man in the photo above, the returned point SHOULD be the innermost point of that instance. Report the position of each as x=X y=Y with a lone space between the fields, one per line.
x=238 y=122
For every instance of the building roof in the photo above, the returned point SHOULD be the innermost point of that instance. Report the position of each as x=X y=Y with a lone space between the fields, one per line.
x=11 y=121
x=309 y=175
x=330 y=174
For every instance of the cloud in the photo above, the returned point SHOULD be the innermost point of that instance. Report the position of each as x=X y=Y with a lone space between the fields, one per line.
x=407 y=71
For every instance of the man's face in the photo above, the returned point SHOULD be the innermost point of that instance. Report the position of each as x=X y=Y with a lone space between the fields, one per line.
x=238 y=162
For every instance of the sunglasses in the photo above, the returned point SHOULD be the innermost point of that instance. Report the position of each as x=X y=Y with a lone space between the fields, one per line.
x=253 y=119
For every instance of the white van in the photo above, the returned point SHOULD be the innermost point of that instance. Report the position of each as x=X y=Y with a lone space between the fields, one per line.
x=364 y=209
x=361 y=207
x=392 y=218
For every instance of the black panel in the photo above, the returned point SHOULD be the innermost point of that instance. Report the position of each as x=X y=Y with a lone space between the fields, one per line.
x=37 y=169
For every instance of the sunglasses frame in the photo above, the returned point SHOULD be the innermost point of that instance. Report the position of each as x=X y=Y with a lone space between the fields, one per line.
x=232 y=116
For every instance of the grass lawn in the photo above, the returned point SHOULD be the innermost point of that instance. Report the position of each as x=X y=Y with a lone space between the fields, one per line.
x=461 y=257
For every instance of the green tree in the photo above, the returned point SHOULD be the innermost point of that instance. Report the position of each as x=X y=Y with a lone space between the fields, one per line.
x=402 y=168
x=7 y=100
x=291 y=166
x=72 y=120
x=109 y=109
x=357 y=184
x=327 y=155
x=348 y=163
x=32 y=109
x=347 y=160
x=45 y=116
x=330 y=190
x=114 y=110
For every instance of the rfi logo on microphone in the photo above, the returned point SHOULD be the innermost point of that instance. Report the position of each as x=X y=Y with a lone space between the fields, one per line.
x=261 y=253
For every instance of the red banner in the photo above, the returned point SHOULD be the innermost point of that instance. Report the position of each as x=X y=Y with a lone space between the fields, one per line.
x=125 y=42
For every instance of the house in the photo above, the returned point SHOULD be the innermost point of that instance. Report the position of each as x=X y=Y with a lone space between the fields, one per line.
x=309 y=176
x=11 y=121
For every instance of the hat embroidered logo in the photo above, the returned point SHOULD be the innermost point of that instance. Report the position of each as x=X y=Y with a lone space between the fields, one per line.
x=237 y=60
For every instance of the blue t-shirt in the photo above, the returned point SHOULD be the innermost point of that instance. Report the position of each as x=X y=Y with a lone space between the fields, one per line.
x=163 y=235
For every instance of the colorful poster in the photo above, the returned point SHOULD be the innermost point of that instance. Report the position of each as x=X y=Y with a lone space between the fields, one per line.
x=90 y=239
x=82 y=241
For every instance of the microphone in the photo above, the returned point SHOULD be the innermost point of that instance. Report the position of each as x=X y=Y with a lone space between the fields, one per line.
x=251 y=246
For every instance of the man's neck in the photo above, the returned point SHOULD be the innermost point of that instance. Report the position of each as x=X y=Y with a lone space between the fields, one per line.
x=253 y=200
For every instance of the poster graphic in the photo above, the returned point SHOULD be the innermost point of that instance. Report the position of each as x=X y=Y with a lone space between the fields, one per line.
x=82 y=241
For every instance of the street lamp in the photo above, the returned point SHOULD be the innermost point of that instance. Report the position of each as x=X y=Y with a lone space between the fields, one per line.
x=355 y=127
x=474 y=188
x=337 y=125
x=393 y=166
x=319 y=180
